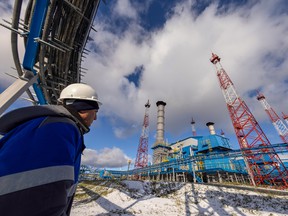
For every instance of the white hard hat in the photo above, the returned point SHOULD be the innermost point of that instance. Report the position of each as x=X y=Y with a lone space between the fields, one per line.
x=79 y=91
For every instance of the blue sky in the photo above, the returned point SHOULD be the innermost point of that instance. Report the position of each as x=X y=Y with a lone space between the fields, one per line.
x=160 y=50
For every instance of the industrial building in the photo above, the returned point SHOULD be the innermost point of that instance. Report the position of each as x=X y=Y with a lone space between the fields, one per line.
x=205 y=169
x=52 y=60
x=210 y=158
x=199 y=158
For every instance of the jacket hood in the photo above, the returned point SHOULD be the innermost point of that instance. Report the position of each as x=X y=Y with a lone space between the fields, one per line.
x=16 y=117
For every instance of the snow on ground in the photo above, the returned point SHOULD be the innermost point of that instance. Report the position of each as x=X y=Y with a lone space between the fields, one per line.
x=163 y=198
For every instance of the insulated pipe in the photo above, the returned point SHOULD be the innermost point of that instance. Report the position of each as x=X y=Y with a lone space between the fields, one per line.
x=42 y=49
x=14 y=35
x=14 y=42
x=210 y=125
x=31 y=52
x=160 y=121
x=85 y=39
x=27 y=17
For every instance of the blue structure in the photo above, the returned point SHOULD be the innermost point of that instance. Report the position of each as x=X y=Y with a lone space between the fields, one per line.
x=31 y=53
x=55 y=34
x=105 y=174
x=202 y=147
x=197 y=158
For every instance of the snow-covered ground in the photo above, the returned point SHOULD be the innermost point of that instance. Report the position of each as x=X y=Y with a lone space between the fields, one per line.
x=151 y=198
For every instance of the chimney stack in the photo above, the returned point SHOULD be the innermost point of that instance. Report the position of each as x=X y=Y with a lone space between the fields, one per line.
x=160 y=121
x=210 y=125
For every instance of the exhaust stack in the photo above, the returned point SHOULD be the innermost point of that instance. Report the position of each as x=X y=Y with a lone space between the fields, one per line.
x=160 y=121
x=210 y=125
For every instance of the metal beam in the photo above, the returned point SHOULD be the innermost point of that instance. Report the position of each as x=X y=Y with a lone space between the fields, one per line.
x=14 y=91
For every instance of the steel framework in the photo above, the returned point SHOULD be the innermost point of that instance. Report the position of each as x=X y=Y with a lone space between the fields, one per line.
x=176 y=164
x=55 y=33
x=142 y=152
x=285 y=117
x=275 y=119
x=263 y=168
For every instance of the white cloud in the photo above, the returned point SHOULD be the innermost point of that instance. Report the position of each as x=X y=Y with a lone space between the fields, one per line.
x=5 y=38
x=105 y=158
x=6 y=58
x=122 y=132
x=178 y=70
x=124 y=8
x=250 y=40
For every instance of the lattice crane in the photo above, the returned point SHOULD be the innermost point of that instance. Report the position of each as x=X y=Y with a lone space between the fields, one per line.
x=142 y=152
x=275 y=119
x=264 y=167
x=285 y=117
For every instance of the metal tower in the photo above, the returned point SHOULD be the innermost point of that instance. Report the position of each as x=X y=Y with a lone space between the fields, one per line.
x=264 y=166
x=193 y=127
x=285 y=117
x=142 y=153
x=276 y=121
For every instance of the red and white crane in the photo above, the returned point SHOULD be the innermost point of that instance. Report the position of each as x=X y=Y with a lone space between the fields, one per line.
x=142 y=152
x=285 y=117
x=264 y=166
x=275 y=119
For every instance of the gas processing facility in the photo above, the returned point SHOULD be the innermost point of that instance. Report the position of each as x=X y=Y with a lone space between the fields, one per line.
x=199 y=158
x=55 y=34
x=210 y=158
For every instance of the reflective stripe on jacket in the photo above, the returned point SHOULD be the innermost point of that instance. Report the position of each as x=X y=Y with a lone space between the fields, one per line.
x=39 y=166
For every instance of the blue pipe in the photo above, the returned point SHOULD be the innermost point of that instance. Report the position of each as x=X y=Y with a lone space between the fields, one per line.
x=31 y=52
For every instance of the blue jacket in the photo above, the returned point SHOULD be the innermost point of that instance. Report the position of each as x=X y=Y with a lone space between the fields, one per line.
x=40 y=157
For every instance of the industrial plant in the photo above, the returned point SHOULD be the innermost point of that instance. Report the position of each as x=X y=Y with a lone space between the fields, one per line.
x=52 y=60
x=210 y=158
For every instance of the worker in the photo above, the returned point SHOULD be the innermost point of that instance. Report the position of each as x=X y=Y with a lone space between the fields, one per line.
x=40 y=153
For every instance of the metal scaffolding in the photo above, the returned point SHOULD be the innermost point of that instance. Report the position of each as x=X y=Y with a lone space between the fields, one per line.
x=55 y=34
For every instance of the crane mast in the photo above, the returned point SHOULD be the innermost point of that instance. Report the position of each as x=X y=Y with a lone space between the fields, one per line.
x=142 y=152
x=285 y=117
x=266 y=167
x=275 y=119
